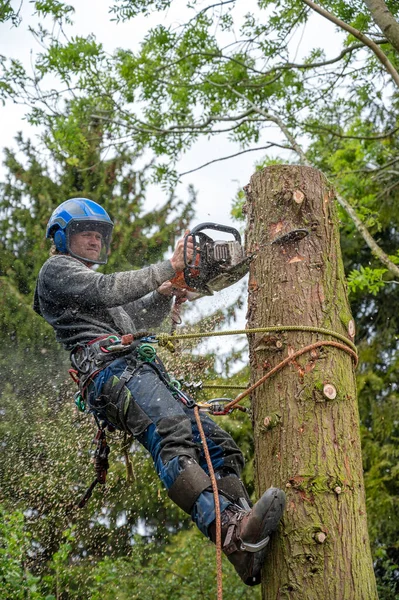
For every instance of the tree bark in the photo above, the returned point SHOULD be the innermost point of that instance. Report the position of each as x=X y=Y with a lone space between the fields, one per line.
x=385 y=20
x=306 y=423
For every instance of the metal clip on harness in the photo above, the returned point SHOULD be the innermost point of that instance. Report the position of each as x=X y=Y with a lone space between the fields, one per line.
x=216 y=406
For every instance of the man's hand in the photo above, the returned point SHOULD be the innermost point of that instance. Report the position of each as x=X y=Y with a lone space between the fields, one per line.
x=181 y=294
x=177 y=260
x=168 y=289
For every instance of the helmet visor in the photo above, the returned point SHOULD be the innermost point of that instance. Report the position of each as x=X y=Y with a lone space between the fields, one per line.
x=89 y=240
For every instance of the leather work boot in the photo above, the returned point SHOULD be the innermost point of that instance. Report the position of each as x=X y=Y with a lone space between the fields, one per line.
x=246 y=534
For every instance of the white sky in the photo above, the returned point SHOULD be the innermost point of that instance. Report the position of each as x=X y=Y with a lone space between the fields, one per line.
x=217 y=184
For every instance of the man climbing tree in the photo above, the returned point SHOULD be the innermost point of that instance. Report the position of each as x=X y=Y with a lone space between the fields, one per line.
x=98 y=318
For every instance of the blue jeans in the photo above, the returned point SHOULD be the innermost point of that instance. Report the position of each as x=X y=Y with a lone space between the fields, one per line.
x=166 y=428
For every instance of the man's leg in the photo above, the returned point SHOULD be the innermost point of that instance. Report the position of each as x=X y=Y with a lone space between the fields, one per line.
x=166 y=428
x=227 y=462
x=147 y=408
x=245 y=531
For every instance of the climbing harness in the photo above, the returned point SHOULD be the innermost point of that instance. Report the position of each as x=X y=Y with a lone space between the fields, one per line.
x=89 y=359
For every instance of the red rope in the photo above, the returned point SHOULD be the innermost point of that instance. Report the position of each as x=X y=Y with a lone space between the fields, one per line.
x=285 y=362
x=217 y=506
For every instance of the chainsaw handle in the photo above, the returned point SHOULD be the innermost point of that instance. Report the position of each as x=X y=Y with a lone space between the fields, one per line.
x=201 y=227
x=186 y=263
x=216 y=227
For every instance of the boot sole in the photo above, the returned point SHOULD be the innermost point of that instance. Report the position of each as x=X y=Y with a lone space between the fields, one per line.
x=275 y=498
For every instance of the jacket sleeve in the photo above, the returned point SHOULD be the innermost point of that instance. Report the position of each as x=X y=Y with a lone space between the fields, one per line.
x=68 y=281
x=149 y=312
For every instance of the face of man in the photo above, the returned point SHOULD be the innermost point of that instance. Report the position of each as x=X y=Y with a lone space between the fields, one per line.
x=86 y=245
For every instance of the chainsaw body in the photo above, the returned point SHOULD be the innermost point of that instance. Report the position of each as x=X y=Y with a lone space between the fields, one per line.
x=216 y=264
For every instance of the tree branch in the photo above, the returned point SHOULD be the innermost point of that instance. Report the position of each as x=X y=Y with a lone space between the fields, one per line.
x=385 y=20
x=362 y=229
x=278 y=121
x=368 y=238
x=270 y=145
x=382 y=57
x=142 y=127
x=204 y=10
x=380 y=136
x=274 y=69
x=323 y=63
x=207 y=55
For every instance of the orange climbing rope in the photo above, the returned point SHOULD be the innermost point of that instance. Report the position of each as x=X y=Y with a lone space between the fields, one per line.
x=217 y=506
x=283 y=363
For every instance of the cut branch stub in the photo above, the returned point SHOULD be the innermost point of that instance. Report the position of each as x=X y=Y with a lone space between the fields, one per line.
x=267 y=342
x=320 y=537
x=351 y=328
x=298 y=196
x=271 y=421
x=329 y=391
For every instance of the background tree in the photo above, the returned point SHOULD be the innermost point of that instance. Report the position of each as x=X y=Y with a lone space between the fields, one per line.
x=242 y=77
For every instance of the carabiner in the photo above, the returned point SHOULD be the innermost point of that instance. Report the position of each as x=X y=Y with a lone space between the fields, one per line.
x=216 y=406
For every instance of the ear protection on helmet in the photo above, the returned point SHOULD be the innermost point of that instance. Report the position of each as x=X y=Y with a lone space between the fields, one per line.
x=60 y=241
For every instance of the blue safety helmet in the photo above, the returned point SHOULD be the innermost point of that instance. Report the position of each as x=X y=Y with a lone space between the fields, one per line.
x=77 y=215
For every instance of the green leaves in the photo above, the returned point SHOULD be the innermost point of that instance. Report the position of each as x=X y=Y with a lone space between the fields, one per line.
x=17 y=582
x=59 y=11
x=7 y=13
x=44 y=472
x=78 y=55
x=366 y=279
x=128 y=9
x=259 y=78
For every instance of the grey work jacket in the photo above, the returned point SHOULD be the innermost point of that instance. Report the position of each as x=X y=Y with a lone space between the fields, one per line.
x=82 y=304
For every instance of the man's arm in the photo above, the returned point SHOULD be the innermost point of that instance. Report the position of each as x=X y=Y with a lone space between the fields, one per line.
x=67 y=280
x=148 y=312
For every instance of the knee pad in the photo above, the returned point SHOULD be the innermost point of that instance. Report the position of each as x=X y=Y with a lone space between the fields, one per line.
x=189 y=484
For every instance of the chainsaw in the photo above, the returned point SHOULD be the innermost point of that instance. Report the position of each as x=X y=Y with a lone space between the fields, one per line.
x=215 y=264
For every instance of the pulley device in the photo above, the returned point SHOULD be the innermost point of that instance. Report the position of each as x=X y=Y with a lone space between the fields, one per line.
x=216 y=264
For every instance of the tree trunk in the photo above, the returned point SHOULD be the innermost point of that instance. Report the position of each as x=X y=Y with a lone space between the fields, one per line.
x=306 y=423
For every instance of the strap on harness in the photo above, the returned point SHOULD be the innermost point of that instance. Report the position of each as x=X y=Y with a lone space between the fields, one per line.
x=123 y=380
x=101 y=464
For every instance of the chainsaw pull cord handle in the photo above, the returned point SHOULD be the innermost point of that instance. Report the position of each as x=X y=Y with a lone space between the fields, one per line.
x=201 y=227
x=175 y=314
x=216 y=227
